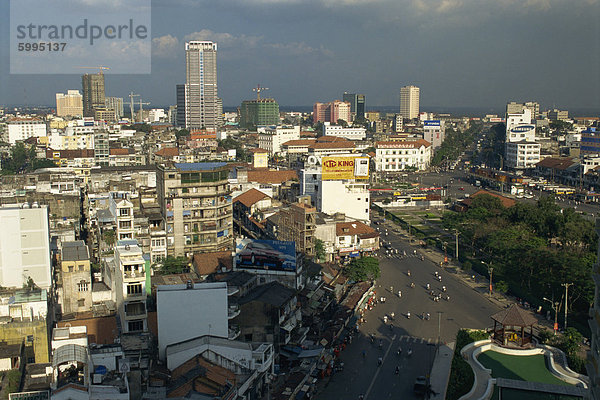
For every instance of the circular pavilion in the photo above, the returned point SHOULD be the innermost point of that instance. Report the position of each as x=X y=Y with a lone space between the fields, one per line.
x=513 y=322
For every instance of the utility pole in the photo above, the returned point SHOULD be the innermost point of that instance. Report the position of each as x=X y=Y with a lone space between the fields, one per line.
x=554 y=306
x=566 y=286
x=491 y=274
x=456 y=254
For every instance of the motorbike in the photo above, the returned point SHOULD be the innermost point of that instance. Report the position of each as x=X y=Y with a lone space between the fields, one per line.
x=412 y=284
x=428 y=286
x=422 y=258
x=397 y=370
x=443 y=288
x=409 y=352
x=399 y=352
x=379 y=361
x=408 y=315
x=399 y=293
x=408 y=273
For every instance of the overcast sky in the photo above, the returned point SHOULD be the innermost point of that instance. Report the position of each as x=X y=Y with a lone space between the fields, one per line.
x=461 y=53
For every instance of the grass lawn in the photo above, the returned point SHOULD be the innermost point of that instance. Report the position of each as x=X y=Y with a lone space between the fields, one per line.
x=524 y=368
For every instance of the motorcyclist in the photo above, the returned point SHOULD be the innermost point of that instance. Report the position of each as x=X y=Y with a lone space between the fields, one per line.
x=412 y=284
x=409 y=352
x=443 y=288
x=399 y=293
x=399 y=352
x=397 y=370
x=385 y=319
x=381 y=344
x=428 y=286
x=408 y=314
x=408 y=273
x=422 y=258
x=379 y=361
x=392 y=315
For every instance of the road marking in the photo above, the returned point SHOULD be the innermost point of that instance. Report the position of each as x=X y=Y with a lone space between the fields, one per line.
x=380 y=367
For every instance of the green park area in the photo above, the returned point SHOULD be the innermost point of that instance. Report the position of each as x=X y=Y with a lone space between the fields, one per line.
x=523 y=368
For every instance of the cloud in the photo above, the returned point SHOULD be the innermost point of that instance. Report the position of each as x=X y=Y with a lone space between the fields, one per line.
x=300 y=49
x=224 y=38
x=164 y=46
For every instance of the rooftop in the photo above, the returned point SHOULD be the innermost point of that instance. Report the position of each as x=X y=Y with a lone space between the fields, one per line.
x=204 y=166
x=75 y=251
x=273 y=293
x=250 y=197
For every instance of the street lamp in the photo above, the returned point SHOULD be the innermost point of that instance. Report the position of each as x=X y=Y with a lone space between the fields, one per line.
x=554 y=306
x=491 y=272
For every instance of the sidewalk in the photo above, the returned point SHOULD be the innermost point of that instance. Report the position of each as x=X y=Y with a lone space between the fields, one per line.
x=440 y=371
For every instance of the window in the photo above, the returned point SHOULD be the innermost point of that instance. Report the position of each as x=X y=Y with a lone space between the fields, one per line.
x=134 y=289
x=123 y=212
x=124 y=224
x=70 y=268
x=82 y=286
x=81 y=303
x=137 y=325
x=81 y=267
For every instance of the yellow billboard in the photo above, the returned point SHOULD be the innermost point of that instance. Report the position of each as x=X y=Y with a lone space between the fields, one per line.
x=334 y=168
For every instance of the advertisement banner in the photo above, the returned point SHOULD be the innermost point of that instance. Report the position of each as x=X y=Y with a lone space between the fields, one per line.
x=265 y=254
x=334 y=168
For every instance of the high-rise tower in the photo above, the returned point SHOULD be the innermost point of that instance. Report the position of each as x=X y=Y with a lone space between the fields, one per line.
x=93 y=93
x=199 y=94
x=409 y=102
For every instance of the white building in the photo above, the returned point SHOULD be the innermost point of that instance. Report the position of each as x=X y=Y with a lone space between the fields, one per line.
x=519 y=127
x=130 y=285
x=206 y=313
x=522 y=154
x=271 y=139
x=409 y=102
x=397 y=155
x=345 y=196
x=60 y=141
x=70 y=104
x=25 y=246
x=348 y=133
x=156 y=114
x=121 y=209
x=434 y=131
x=23 y=128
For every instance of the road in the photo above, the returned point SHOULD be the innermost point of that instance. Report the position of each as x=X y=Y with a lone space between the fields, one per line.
x=466 y=308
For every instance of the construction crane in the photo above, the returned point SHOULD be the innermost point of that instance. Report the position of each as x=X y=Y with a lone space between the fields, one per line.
x=100 y=67
x=259 y=89
x=131 y=96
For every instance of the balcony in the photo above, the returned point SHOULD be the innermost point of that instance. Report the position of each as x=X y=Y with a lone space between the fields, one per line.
x=233 y=332
x=129 y=275
x=233 y=311
x=232 y=290
x=135 y=310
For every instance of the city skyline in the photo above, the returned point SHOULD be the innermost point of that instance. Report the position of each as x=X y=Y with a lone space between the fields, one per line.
x=460 y=53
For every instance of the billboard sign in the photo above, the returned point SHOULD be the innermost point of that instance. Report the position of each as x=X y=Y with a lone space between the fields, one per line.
x=334 y=168
x=432 y=122
x=275 y=255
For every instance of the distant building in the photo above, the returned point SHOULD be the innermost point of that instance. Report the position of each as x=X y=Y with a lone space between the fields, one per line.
x=519 y=127
x=558 y=115
x=25 y=246
x=517 y=108
x=257 y=112
x=93 y=93
x=340 y=131
x=522 y=154
x=70 y=104
x=434 y=131
x=358 y=104
x=19 y=129
x=271 y=139
x=116 y=104
x=394 y=156
x=332 y=112
x=409 y=102
x=197 y=105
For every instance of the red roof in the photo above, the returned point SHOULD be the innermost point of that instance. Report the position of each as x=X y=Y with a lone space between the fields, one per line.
x=506 y=202
x=119 y=152
x=258 y=150
x=354 y=228
x=168 y=152
x=271 y=176
x=332 y=145
x=299 y=142
x=250 y=197
x=400 y=144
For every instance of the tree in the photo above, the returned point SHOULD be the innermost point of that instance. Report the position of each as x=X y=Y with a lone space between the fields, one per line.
x=363 y=269
x=181 y=133
x=319 y=250
x=173 y=265
x=29 y=285
x=342 y=123
x=23 y=159
x=109 y=237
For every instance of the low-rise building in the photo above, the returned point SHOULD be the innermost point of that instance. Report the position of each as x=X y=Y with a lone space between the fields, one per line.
x=399 y=155
x=75 y=278
x=349 y=133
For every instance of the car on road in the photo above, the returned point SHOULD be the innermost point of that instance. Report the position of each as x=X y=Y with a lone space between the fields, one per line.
x=420 y=386
x=461 y=188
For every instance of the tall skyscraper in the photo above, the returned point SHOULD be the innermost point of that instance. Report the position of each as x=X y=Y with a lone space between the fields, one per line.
x=70 y=104
x=409 y=102
x=198 y=97
x=93 y=93
x=358 y=104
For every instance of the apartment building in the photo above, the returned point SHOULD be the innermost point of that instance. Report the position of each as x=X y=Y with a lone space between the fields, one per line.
x=75 y=290
x=129 y=273
x=195 y=201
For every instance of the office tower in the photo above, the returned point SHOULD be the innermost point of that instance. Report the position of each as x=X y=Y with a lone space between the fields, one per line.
x=517 y=108
x=258 y=112
x=332 y=111
x=93 y=93
x=409 y=102
x=199 y=94
x=195 y=203
x=181 y=101
x=70 y=104
x=115 y=103
x=357 y=104
x=220 y=120
x=25 y=246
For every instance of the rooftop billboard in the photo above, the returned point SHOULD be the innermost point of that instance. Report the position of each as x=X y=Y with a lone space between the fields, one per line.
x=334 y=168
x=265 y=254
